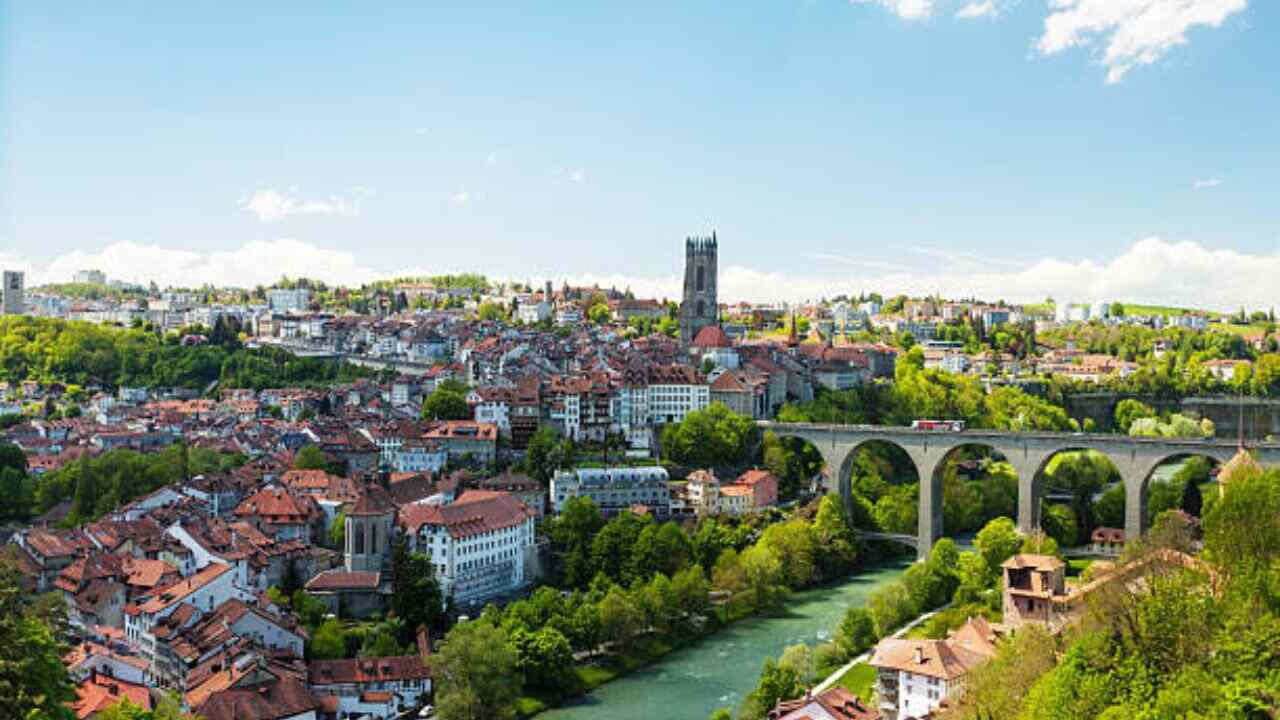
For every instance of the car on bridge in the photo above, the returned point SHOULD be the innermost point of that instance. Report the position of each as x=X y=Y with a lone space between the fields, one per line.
x=944 y=425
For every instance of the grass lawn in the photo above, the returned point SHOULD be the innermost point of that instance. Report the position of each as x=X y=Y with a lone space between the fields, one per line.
x=527 y=706
x=858 y=680
x=918 y=632
x=1163 y=310
x=1076 y=566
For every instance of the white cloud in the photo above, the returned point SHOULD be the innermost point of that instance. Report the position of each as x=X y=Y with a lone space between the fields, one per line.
x=1150 y=271
x=577 y=176
x=254 y=262
x=272 y=205
x=906 y=9
x=1205 y=184
x=460 y=198
x=977 y=9
x=1136 y=32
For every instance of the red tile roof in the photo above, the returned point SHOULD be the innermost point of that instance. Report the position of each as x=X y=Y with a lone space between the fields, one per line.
x=177 y=592
x=474 y=512
x=283 y=698
x=99 y=692
x=276 y=505
x=344 y=580
x=367 y=670
x=711 y=336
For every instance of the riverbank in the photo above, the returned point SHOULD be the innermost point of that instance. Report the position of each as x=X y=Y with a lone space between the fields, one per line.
x=718 y=669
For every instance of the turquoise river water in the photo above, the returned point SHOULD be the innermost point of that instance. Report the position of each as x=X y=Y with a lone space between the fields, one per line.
x=720 y=670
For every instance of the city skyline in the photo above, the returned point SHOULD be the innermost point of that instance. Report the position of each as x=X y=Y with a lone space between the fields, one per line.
x=1005 y=150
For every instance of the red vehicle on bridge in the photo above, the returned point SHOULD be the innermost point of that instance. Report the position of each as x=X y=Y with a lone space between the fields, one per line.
x=943 y=425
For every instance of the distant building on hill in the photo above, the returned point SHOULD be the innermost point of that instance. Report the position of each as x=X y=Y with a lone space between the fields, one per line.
x=12 y=293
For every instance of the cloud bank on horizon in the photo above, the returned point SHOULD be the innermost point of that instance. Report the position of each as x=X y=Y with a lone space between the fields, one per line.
x=1151 y=270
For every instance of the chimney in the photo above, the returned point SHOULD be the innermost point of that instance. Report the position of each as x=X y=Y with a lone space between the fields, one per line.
x=919 y=655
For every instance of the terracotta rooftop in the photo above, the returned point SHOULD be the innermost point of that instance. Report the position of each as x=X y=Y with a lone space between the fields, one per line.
x=933 y=658
x=1034 y=562
x=344 y=580
x=99 y=692
x=181 y=590
x=711 y=336
x=474 y=512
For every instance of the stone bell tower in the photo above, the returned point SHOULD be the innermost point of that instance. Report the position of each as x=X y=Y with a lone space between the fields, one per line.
x=699 y=306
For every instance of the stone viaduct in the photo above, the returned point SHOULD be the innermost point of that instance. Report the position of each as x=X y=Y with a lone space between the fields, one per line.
x=1028 y=453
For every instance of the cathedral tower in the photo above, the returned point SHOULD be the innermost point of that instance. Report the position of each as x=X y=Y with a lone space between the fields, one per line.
x=699 y=307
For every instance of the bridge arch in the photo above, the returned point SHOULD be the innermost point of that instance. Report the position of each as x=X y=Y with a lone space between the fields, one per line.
x=1029 y=453
x=989 y=471
x=1216 y=457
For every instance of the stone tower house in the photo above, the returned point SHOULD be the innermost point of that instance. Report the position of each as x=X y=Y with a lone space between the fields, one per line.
x=370 y=528
x=699 y=307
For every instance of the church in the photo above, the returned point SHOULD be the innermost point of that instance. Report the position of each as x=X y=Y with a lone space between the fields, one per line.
x=699 y=307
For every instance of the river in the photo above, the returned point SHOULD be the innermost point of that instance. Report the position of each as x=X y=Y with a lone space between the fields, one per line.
x=720 y=670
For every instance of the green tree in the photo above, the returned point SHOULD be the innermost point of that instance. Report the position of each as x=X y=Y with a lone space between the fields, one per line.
x=1127 y=411
x=86 y=497
x=491 y=312
x=328 y=642
x=998 y=541
x=792 y=540
x=11 y=456
x=338 y=532
x=692 y=591
x=546 y=660
x=447 y=402
x=1192 y=501
x=599 y=314
x=311 y=457
x=714 y=436
x=33 y=680
x=415 y=593
x=620 y=618
x=1242 y=530
x=477 y=673
x=546 y=454
x=612 y=548
x=777 y=682
x=856 y=632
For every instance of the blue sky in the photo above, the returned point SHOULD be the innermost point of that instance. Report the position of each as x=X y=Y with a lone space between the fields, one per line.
x=1124 y=149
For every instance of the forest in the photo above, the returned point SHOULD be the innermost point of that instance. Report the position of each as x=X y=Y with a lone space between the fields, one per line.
x=84 y=354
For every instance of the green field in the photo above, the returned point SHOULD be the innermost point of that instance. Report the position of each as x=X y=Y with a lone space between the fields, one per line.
x=858 y=680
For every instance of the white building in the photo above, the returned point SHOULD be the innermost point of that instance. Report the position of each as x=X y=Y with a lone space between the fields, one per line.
x=204 y=591
x=284 y=301
x=478 y=544
x=569 y=315
x=532 y=313
x=614 y=490
x=914 y=676
x=89 y=277
x=492 y=408
x=419 y=457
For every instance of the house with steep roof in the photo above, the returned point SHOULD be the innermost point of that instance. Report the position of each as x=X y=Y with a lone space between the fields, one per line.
x=379 y=688
x=478 y=545
x=272 y=698
x=914 y=677
x=282 y=514
x=836 y=703
x=201 y=592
